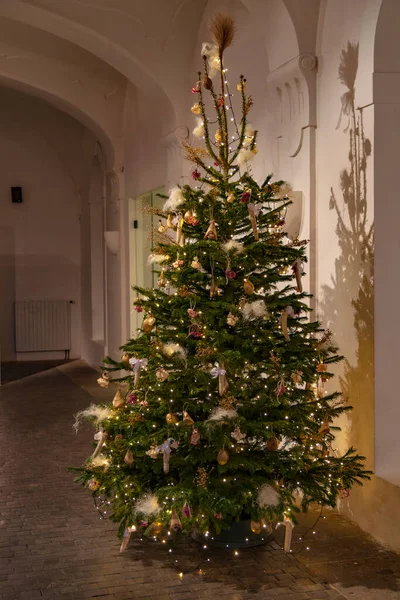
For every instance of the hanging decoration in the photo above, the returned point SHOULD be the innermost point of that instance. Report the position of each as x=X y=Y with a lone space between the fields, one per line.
x=254 y=211
x=137 y=364
x=220 y=372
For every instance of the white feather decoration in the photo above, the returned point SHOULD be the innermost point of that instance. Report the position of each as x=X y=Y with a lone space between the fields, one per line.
x=218 y=414
x=254 y=310
x=95 y=412
x=100 y=461
x=284 y=191
x=249 y=132
x=175 y=199
x=245 y=155
x=198 y=131
x=171 y=348
x=157 y=258
x=233 y=246
x=211 y=51
x=147 y=505
x=267 y=496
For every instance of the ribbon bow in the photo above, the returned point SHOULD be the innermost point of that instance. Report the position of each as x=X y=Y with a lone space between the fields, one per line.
x=220 y=372
x=166 y=449
x=100 y=438
x=217 y=371
x=137 y=364
x=254 y=209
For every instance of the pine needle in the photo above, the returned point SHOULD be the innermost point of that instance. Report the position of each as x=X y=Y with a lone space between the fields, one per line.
x=222 y=27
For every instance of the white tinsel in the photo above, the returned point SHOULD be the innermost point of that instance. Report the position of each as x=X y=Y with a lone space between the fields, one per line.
x=147 y=505
x=245 y=155
x=175 y=199
x=95 y=413
x=249 y=132
x=254 y=310
x=233 y=245
x=218 y=414
x=267 y=496
x=157 y=258
x=198 y=131
x=171 y=348
x=212 y=53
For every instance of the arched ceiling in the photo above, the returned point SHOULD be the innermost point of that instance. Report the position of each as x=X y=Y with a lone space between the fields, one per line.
x=80 y=53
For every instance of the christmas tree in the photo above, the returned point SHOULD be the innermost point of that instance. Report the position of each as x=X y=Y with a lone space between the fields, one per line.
x=221 y=411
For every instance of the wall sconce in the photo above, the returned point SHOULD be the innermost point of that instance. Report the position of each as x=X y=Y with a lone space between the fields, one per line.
x=112 y=241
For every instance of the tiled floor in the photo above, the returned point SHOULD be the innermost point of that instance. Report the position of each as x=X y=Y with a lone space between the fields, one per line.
x=53 y=545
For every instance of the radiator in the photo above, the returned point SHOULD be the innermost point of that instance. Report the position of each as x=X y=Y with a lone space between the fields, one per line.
x=43 y=326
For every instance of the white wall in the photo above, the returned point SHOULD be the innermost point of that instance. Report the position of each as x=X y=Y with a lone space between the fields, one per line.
x=40 y=150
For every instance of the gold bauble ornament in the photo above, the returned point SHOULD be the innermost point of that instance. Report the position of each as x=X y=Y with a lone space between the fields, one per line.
x=161 y=227
x=267 y=526
x=175 y=523
x=222 y=457
x=161 y=374
x=93 y=485
x=156 y=527
x=256 y=527
x=104 y=380
x=125 y=359
x=195 y=263
x=230 y=198
x=153 y=453
x=248 y=287
x=162 y=280
x=188 y=215
x=128 y=459
x=196 y=109
x=187 y=419
x=171 y=419
x=211 y=233
x=272 y=444
x=118 y=400
x=231 y=319
x=148 y=323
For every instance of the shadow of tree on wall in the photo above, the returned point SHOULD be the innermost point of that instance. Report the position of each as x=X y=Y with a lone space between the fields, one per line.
x=347 y=303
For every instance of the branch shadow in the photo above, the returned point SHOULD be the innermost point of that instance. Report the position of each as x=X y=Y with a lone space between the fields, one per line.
x=347 y=302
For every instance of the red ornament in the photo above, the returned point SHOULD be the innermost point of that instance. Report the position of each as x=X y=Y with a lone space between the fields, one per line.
x=186 y=512
x=137 y=308
x=230 y=274
x=218 y=515
x=132 y=398
x=196 y=89
x=192 y=313
x=195 y=335
x=195 y=437
x=217 y=164
x=192 y=221
x=245 y=197
x=220 y=102
x=195 y=332
x=281 y=389
x=196 y=174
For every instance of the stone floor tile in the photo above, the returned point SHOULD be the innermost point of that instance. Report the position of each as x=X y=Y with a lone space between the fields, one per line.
x=52 y=544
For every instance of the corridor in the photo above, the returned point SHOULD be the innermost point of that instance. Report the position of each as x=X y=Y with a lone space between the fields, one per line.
x=53 y=544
